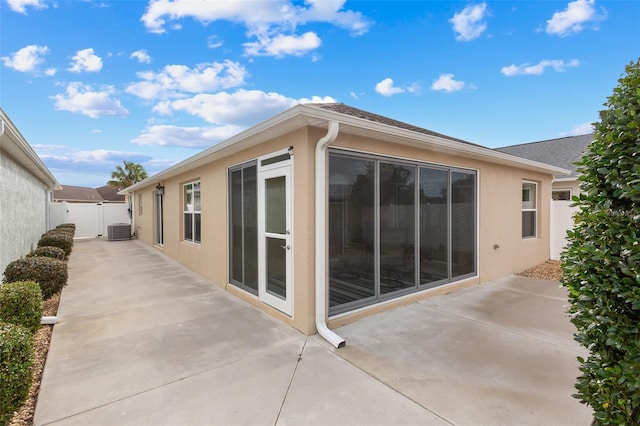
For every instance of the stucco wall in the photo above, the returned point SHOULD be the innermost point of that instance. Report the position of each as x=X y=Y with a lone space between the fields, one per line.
x=23 y=210
x=499 y=222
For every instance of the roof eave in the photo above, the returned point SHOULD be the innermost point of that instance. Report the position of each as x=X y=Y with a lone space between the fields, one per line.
x=306 y=115
x=12 y=141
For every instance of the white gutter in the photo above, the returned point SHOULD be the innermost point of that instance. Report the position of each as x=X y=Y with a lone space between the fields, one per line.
x=321 y=237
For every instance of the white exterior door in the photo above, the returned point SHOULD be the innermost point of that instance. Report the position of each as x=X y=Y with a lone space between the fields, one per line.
x=275 y=251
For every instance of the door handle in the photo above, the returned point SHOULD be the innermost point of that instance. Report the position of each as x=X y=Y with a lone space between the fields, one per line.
x=286 y=247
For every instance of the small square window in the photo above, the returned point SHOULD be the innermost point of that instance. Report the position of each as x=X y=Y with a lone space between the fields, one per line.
x=561 y=195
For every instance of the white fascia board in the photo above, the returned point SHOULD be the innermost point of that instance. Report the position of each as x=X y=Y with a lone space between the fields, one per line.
x=565 y=179
x=12 y=141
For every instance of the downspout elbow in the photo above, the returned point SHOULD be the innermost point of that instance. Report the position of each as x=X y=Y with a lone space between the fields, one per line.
x=321 y=237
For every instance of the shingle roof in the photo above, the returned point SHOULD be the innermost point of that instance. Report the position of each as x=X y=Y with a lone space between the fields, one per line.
x=110 y=193
x=82 y=194
x=561 y=152
x=366 y=115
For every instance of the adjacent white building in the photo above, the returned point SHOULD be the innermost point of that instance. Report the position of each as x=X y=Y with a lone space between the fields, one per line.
x=26 y=187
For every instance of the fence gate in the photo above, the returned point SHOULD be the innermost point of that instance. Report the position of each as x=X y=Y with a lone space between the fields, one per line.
x=561 y=222
x=92 y=219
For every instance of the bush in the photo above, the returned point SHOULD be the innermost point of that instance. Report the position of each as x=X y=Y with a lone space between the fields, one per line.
x=57 y=239
x=16 y=368
x=50 y=274
x=48 y=251
x=21 y=304
x=67 y=225
x=601 y=263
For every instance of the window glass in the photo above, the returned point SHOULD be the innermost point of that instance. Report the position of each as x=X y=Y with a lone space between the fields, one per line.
x=351 y=230
x=191 y=203
x=243 y=238
x=561 y=195
x=375 y=223
x=463 y=223
x=434 y=225
x=397 y=227
x=529 y=213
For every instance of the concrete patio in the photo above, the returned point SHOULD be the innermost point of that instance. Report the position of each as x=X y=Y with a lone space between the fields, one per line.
x=143 y=341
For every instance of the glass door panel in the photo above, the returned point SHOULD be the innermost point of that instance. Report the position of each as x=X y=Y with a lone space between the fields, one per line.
x=276 y=267
x=275 y=281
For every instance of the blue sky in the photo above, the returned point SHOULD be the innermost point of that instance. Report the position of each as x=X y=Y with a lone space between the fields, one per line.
x=92 y=83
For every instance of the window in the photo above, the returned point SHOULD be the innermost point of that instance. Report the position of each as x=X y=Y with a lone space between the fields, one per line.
x=396 y=228
x=529 y=209
x=139 y=204
x=191 y=207
x=561 y=195
x=243 y=227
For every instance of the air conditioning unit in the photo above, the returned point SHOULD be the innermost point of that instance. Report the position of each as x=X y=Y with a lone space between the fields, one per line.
x=119 y=231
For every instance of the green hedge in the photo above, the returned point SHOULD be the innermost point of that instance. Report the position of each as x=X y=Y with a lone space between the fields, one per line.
x=49 y=251
x=16 y=368
x=50 y=274
x=58 y=239
x=21 y=304
x=601 y=263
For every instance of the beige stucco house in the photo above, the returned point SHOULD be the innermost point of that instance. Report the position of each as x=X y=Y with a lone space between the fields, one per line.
x=326 y=213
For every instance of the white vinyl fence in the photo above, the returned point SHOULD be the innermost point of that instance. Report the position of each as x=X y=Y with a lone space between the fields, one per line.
x=92 y=219
x=561 y=222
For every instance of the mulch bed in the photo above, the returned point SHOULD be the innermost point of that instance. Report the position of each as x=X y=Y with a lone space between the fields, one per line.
x=549 y=270
x=24 y=415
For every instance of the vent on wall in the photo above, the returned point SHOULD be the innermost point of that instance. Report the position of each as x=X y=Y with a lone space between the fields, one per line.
x=119 y=231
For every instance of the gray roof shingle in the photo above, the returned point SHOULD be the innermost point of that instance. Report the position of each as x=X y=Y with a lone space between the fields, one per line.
x=561 y=152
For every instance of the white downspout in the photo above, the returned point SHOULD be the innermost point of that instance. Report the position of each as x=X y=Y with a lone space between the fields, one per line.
x=321 y=236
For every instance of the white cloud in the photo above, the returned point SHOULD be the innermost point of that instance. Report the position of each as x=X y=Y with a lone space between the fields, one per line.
x=176 y=80
x=253 y=14
x=580 y=129
x=26 y=59
x=283 y=45
x=85 y=60
x=387 y=87
x=317 y=100
x=20 y=6
x=469 y=23
x=573 y=19
x=100 y=159
x=273 y=22
x=243 y=107
x=446 y=83
x=213 y=42
x=50 y=72
x=539 y=68
x=83 y=99
x=141 y=56
x=186 y=137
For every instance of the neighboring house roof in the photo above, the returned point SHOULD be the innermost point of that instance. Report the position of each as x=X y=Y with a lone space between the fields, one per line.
x=81 y=194
x=17 y=147
x=351 y=121
x=561 y=152
x=110 y=194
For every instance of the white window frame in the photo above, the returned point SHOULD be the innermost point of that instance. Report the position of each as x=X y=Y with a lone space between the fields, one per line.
x=189 y=209
x=533 y=209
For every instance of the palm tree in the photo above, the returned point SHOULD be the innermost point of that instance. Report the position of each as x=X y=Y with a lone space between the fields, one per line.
x=131 y=173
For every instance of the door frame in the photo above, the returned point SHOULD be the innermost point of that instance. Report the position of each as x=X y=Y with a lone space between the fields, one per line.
x=275 y=164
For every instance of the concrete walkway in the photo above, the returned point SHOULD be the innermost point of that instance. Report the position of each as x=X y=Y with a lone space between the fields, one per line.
x=143 y=341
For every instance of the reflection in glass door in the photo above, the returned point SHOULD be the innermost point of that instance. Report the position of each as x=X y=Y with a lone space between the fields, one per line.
x=275 y=283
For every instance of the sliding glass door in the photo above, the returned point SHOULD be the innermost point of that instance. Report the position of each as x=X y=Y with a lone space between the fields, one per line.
x=396 y=228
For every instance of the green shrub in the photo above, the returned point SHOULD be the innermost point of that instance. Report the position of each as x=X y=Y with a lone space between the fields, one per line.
x=49 y=251
x=67 y=225
x=601 y=263
x=50 y=274
x=57 y=239
x=21 y=304
x=16 y=368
